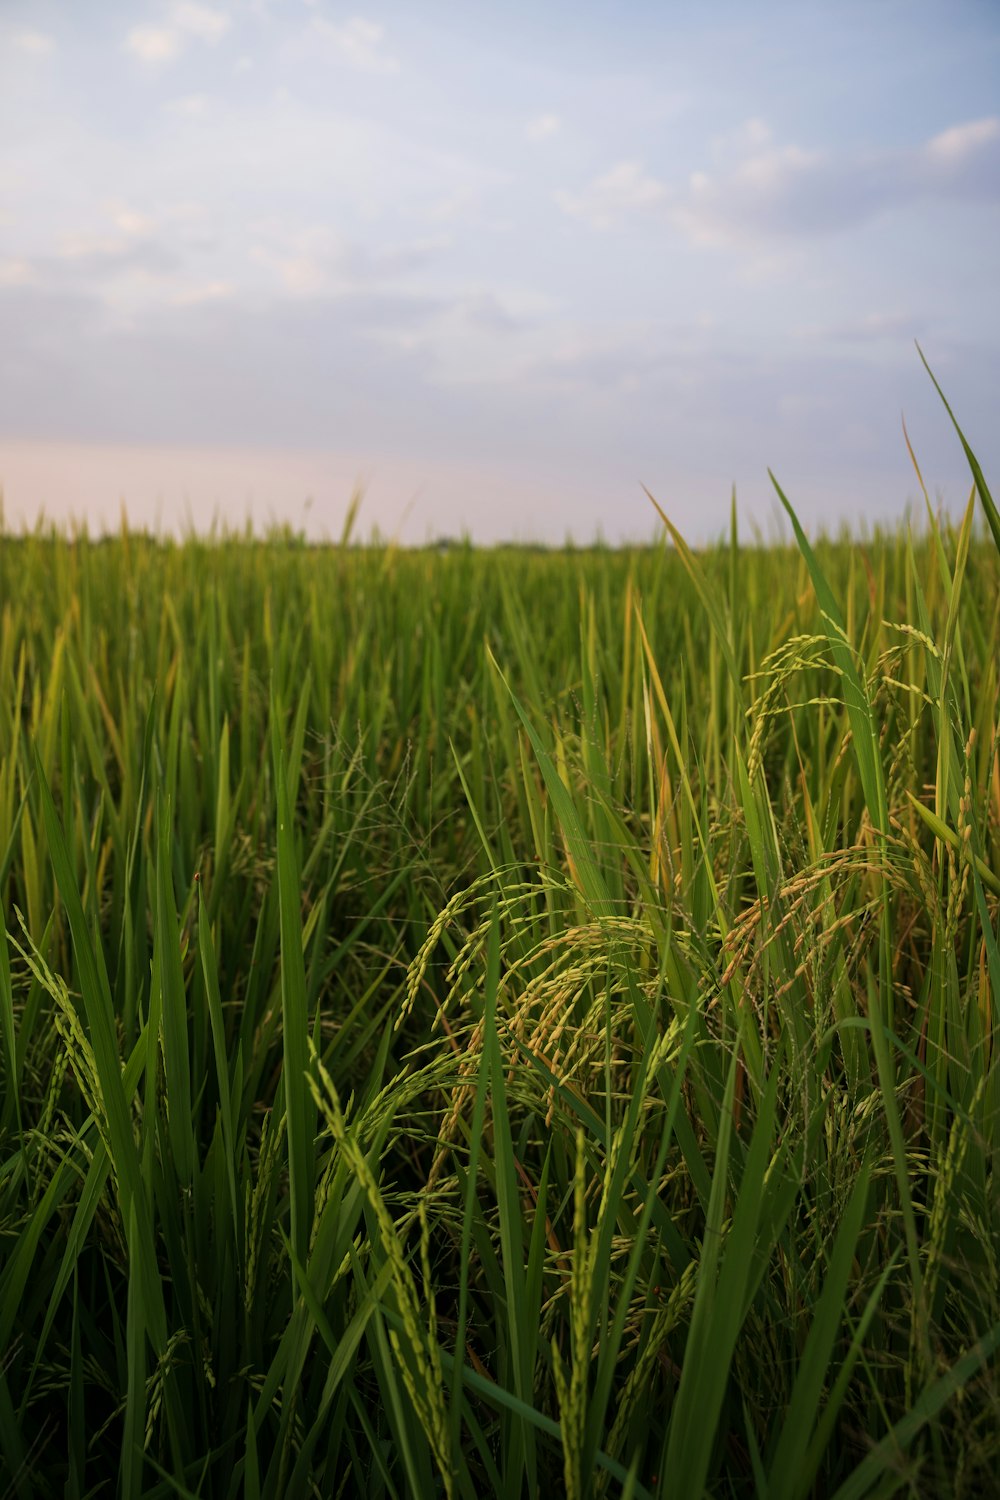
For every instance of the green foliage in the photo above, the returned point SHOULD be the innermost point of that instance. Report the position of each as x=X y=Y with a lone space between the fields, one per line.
x=500 y=1023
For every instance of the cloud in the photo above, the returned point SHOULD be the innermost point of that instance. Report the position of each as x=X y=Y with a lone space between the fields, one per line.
x=160 y=44
x=787 y=191
x=542 y=127
x=132 y=242
x=873 y=328
x=476 y=337
x=770 y=191
x=191 y=106
x=129 y=221
x=129 y=279
x=205 y=365
x=303 y=275
x=962 y=141
x=128 y=251
x=750 y=135
x=609 y=201
x=357 y=43
x=35 y=43
x=198 y=20
x=89 y=262
x=16 y=273
x=202 y=292
x=627 y=358
x=319 y=263
x=152 y=44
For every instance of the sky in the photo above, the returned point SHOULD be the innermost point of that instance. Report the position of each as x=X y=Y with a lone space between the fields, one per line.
x=498 y=266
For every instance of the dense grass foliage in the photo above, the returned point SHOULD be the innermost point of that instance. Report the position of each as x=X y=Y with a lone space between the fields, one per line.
x=500 y=1023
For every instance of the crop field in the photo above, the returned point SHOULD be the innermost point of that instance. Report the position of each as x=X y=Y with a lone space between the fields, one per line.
x=501 y=1022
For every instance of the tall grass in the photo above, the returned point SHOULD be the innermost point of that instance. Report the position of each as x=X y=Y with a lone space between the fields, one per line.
x=501 y=1022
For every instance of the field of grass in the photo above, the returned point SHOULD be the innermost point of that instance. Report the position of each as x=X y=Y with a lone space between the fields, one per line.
x=500 y=1023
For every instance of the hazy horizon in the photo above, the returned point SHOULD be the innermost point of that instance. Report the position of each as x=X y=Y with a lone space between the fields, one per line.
x=171 y=491
x=501 y=270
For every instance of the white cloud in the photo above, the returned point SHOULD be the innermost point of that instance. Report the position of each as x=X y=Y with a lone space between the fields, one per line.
x=198 y=20
x=36 y=43
x=358 y=43
x=192 y=106
x=184 y=211
x=608 y=201
x=303 y=275
x=761 y=191
x=784 y=192
x=159 y=44
x=320 y=263
x=764 y=190
x=772 y=171
x=962 y=141
x=542 y=127
x=16 y=273
x=152 y=44
x=463 y=203
x=208 y=291
x=83 y=246
x=749 y=136
x=129 y=221
x=870 y=328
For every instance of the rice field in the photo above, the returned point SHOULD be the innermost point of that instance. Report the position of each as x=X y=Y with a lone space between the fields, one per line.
x=500 y=1023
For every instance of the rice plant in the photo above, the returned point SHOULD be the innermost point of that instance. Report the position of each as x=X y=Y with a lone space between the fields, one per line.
x=501 y=1022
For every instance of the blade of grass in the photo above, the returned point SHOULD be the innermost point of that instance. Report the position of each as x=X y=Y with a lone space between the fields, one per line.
x=299 y=1108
